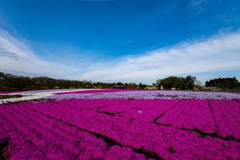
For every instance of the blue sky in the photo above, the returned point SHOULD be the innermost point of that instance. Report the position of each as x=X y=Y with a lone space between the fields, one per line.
x=120 y=40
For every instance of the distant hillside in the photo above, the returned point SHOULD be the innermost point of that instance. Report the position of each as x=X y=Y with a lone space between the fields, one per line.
x=10 y=82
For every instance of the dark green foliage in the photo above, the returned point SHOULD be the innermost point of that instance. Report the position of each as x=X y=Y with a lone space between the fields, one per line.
x=180 y=83
x=9 y=82
x=132 y=86
x=9 y=96
x=224 y=83
x=189 y=82
x=142 y=86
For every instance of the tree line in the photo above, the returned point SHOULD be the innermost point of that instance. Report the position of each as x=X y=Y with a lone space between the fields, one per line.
x=9 y=82
x=190 y=83
x=179 y=83
x=224 y=83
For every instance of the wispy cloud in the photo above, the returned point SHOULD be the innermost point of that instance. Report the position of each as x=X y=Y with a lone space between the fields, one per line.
x=98 y=0
x=219 y=53
x=15 y=56
x=199 y=2
x=215 y=54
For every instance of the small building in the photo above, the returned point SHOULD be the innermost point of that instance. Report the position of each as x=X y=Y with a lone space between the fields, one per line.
x=161 y=87
x=119 y=85
x=150 y=88
x=212 y=88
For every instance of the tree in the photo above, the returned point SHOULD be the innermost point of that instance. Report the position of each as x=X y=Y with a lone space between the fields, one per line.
x=132 y=85
x=171 y=82
x=180 y=83
x=140 y=86
x=189 y=82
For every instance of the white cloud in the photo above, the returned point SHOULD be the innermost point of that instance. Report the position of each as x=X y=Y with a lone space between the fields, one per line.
x=219 y=53
x=15 y=57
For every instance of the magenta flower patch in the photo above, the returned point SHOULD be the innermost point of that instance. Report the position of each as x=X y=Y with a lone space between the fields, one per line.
x=126 y=128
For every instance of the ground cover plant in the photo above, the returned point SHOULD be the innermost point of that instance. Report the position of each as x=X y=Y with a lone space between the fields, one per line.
x=144 y=94
x=122 y=125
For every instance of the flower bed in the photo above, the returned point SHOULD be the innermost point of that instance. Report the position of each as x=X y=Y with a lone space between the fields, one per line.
x=95 y=91
x=121 y=128
x=153 y=94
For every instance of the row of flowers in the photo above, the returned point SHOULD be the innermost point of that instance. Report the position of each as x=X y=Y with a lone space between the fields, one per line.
x=116 y=94
x=155 y=94
x=115 y=129
x=36 y=136
x=190 y=114
x=187 y=114
x=226 y=114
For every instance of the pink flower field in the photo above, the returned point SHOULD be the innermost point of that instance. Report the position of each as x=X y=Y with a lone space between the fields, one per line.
x=122 y=125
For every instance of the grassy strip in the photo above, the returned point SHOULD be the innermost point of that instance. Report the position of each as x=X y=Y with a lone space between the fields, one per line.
x=10 y=96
